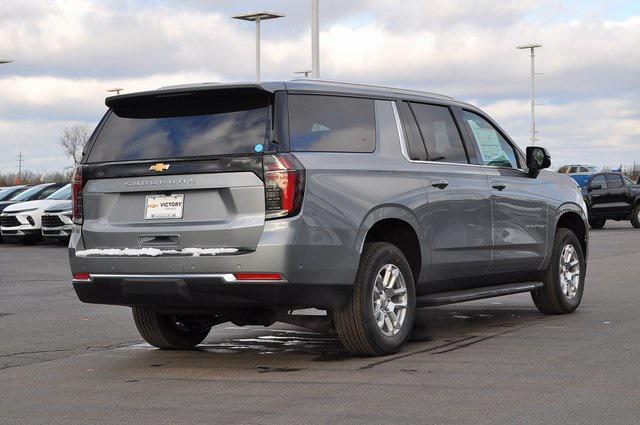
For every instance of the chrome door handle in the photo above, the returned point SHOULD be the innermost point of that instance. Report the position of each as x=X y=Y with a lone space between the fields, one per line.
x=440 y=184
x=498 y=185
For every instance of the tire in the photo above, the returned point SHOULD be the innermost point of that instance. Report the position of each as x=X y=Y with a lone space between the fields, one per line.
x=356 y=322
x=551 y=298
x=162 y=330
x=635 y=216
x=597 y=223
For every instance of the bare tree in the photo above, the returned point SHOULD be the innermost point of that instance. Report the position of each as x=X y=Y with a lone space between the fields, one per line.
x=73 y=140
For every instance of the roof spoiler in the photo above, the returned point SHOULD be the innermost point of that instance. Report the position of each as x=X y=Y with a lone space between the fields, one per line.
x=148 y=96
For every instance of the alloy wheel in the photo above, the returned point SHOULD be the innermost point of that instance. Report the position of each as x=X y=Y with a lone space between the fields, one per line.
x=389 y=299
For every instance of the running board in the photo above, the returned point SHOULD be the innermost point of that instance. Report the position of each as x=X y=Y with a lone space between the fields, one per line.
x=443 y=298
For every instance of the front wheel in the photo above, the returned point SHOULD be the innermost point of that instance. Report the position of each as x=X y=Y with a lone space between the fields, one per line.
x=169 y=331
x=378 y=318
x=635 y=216
x=564 y=280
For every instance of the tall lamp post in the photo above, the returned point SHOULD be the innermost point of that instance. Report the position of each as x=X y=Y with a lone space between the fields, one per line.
x=532 y=47
x=115 y=90
x=315 y=38
x=257 y=18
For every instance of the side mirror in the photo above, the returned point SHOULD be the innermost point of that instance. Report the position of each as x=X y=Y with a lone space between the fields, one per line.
x=537 y=159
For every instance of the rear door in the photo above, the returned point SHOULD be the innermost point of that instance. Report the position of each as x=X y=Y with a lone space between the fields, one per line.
x=176 y=172
x=519 y=210
x=618 y=200
x=458 y=196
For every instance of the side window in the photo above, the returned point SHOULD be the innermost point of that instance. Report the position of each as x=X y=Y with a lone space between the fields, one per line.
x=584 y=170
x=573 y=170
x=415 y=146
x=493 y=148
x=614 y=181
x=48 y=191
x=331 y=124
x=599 y=179
x=440 y=134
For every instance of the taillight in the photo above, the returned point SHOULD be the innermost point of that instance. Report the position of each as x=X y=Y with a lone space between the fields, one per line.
x=76 y=198
x=283 y=185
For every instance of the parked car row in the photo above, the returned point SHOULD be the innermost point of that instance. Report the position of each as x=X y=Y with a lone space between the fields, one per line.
x=30 y=213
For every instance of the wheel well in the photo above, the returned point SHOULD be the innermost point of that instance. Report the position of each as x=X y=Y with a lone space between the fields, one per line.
x=573 y=221
x=401 y=234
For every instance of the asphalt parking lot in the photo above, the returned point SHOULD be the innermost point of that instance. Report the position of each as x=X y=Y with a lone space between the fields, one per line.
x=492 y=361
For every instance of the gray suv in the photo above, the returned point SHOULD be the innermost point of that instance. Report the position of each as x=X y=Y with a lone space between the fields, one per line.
x=204 y=204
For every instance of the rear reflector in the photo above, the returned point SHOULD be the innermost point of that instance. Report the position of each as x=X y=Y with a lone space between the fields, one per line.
x=82 y=276
x=257 y=276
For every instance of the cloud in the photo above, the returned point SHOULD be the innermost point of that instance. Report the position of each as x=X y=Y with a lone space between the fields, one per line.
x=68 y=52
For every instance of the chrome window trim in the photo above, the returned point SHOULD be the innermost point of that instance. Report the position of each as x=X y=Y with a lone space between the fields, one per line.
x=403 y=148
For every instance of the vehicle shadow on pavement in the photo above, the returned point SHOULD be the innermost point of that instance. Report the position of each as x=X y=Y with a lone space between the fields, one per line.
x=454 y=327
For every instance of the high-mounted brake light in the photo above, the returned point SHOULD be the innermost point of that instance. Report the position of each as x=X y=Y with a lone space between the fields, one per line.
x=76 y=198
x=283 y=185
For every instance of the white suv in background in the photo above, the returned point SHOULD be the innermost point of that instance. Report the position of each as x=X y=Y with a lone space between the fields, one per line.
x=56 y=222
x=23 y=220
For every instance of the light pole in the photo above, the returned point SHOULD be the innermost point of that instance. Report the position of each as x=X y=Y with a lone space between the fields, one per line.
x=315 y=38
x=532 y=47
x=257 y=18
x=115 y=90
x=306 y=73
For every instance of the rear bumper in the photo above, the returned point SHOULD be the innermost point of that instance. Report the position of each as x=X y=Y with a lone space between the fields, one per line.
x=212 y=292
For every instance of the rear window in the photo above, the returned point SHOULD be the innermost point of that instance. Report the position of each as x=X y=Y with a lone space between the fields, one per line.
x=331 y=124
x=184 y=126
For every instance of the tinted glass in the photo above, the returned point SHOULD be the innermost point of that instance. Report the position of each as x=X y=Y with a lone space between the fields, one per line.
x=28 y=194
x=331 y=124
x=614 y=181
x=9 y=192
x=61 y=194
x=416 y=148
x=47 y=192
x=184 y=126
x=493 y=148
x=439 y=132
x=599 y=179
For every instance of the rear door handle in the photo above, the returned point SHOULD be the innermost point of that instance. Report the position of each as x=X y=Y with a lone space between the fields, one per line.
x=498 y=185
x=440 y=184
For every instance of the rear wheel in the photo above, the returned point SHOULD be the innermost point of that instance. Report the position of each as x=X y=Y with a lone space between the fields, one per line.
x=597 y=223
x=378 y=318
x=169 y=331
x=635 y=216
x=564 y=280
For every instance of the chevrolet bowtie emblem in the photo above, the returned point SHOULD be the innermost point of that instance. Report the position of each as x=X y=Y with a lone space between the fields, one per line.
x=159 y=167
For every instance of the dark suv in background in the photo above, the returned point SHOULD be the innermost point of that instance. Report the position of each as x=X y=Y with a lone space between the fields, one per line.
x=198 y=205
x=611 y=196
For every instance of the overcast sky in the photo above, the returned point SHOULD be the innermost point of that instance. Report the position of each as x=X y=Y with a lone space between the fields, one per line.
x=67 y=53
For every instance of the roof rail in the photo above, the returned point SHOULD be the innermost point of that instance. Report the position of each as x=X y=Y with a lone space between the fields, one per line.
x=394 y=89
